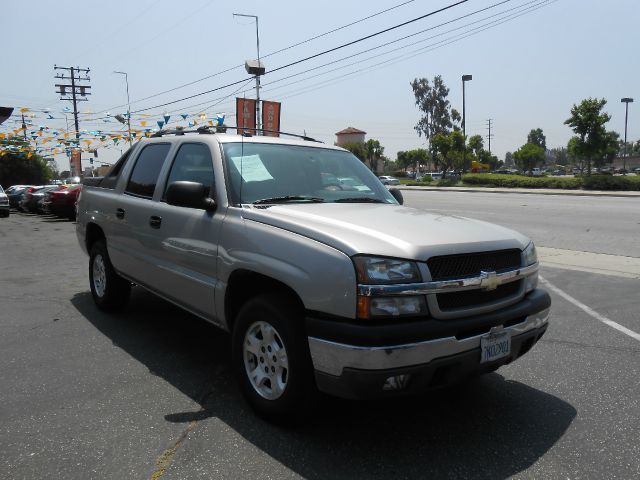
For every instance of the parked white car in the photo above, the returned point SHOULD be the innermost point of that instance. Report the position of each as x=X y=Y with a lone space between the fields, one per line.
x=387 y=180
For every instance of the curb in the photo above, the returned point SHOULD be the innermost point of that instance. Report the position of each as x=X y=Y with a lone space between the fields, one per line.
x=536 y=191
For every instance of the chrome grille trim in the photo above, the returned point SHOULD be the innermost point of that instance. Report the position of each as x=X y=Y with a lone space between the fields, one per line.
x=444 y=286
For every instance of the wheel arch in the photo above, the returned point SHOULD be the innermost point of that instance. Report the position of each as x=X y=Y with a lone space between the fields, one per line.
x=246 y=284
x=93 y=234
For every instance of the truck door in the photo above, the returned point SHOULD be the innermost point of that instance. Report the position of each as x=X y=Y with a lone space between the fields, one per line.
x=185 y=240
x=134 y=209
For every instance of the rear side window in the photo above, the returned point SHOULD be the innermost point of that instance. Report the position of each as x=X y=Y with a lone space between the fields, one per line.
x=192 y=164
x=145 y=173
x=111 y=178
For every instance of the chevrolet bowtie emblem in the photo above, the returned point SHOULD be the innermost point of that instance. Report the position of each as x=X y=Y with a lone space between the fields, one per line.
x=489 y=280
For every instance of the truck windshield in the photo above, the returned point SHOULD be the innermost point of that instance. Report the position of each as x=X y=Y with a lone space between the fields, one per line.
x=265 y=173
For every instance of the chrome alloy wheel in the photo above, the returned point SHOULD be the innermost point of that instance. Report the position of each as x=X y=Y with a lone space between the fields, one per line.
x=99 y=276
x=265 y=360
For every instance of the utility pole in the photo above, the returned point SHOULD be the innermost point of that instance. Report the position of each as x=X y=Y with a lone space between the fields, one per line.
x=77 y=91
x=490 y=135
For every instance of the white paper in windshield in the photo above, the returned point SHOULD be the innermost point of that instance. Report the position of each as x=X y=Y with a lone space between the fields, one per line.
x=251 y=168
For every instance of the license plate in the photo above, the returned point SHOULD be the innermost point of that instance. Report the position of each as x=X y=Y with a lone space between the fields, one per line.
x=495 y=345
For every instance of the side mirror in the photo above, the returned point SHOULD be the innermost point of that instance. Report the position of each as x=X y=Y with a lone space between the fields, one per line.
x=397 y=194
x=190 y=195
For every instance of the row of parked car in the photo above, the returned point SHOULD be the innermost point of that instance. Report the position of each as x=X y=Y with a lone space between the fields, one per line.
x=55 y=199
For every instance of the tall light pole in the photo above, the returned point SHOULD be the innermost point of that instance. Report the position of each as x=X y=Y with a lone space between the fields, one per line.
x=126 y=79
x=258 y=69
x=465 y=78
x=626 y=101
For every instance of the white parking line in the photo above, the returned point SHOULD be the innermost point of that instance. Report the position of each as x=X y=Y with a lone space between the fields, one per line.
x=591 y=311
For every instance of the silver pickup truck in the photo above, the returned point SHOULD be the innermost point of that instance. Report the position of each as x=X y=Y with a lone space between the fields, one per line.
x=325 y=281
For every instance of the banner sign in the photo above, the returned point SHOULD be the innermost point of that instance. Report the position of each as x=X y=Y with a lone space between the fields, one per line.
x=271 y=117
x=246 y=115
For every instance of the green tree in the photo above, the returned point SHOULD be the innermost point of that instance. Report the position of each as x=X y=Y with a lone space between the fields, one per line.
x=437 y=114
x=484 y=156
x=20 y=165
x=537 y=138
x=528 y=156
x=358 y=149
x=609 y=149
x=508 y=159
x=412 y=157
x=588 y=122
x=476 y=144
x=573 y=153
x=373 y=149
x=449 y=151
x=560 y=156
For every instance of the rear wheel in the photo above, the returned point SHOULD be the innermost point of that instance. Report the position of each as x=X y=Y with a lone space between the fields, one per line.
x=271 y=358
x=109 y=290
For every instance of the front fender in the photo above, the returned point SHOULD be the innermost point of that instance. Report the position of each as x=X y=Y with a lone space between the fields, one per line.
x=322 y=277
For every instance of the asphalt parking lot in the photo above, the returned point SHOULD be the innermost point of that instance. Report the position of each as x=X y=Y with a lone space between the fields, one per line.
x=148 y=393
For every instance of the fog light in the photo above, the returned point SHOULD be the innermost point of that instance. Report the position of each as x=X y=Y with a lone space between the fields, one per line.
x=397 y=382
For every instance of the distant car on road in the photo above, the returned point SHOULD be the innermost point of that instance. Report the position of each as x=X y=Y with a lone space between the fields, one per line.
x=387 y=180
x=433 y=175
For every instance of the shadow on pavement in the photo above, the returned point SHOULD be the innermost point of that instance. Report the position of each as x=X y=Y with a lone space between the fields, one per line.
x=487 y=427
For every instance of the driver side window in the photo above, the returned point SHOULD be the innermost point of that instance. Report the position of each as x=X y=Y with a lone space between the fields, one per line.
x=192 y=163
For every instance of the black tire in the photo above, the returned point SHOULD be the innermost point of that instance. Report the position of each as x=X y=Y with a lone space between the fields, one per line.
x=109 y=290
x=286 y=318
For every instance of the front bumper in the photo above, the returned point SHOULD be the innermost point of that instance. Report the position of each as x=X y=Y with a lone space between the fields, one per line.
x=355 y=361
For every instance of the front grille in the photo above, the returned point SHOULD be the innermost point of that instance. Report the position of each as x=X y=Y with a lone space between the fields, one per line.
x=448 y=267
x=474 y=298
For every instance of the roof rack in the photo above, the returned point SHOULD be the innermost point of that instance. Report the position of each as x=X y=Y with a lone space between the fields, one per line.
x=244 y=131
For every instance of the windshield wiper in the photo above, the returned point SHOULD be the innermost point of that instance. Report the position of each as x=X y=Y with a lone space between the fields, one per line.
x=359 y=200
x=289 y=198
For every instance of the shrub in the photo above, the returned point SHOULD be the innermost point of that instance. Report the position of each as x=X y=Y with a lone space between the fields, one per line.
x=593 y=182
x=448 y=182
x=607 y=182
x=517 y=181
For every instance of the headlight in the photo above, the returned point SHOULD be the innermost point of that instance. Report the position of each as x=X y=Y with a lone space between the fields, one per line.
x=388 y=271
x=385 y=271
x=529 y=255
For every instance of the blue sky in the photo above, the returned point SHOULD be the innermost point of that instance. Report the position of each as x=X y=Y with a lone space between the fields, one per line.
x=527 y=72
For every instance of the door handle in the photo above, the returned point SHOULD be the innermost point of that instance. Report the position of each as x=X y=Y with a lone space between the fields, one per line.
x=120 y=212
x=155 y=221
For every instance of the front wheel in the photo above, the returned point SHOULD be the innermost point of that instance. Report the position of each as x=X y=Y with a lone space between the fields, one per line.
x=271 y=358
x=109 y=290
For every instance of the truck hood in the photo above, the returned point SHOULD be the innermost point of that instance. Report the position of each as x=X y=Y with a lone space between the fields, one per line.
x=387 y=230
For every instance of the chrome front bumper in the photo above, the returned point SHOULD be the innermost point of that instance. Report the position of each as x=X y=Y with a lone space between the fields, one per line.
x=332 y=358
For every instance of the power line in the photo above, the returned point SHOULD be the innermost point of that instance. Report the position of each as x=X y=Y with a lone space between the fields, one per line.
x=421 y=50
x=367 y=37
x=434 y=12
x=499 y=14
x=403 y=46
x=274 y=53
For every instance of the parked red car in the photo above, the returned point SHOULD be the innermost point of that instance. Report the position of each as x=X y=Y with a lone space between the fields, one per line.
x=62 y=202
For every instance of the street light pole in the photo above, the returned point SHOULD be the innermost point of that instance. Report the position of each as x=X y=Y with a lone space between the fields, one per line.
x=465 y=78
x=126 y=79
x=626 y=101
x=258 y=118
